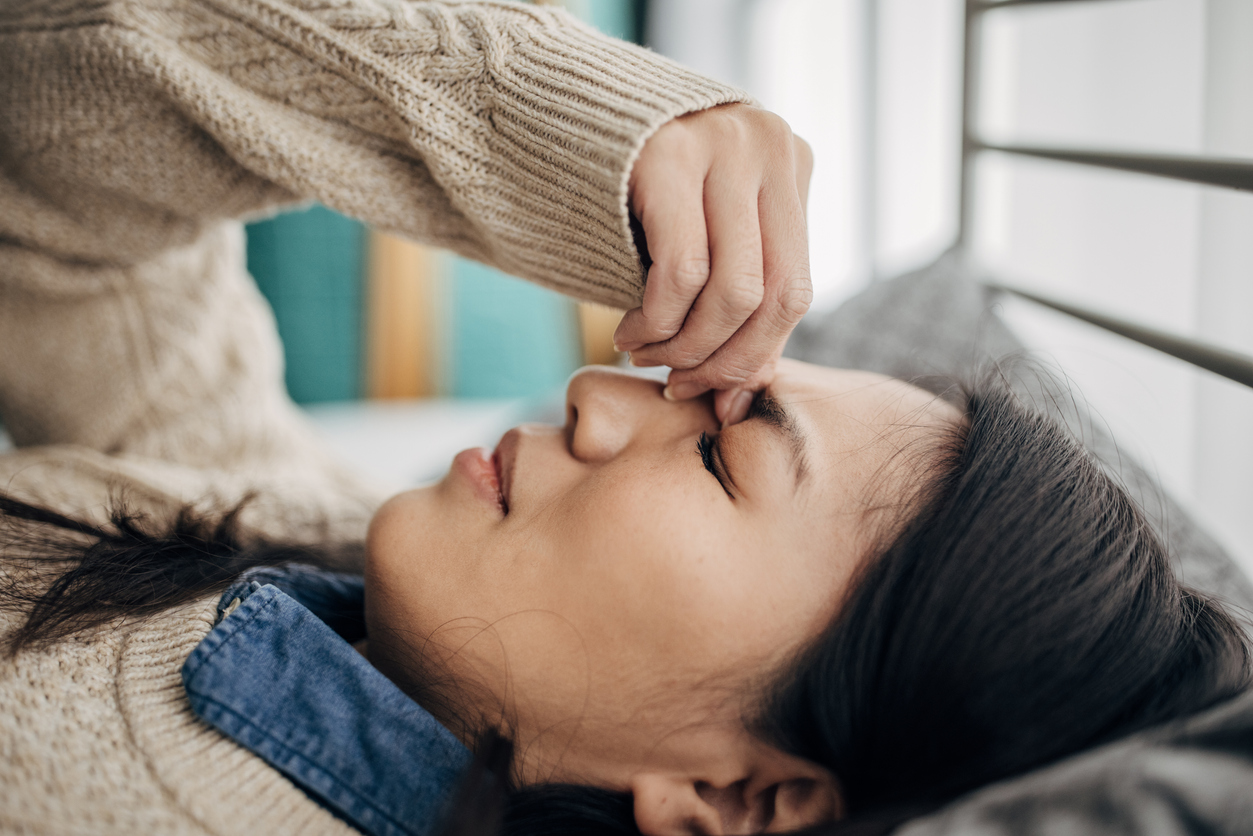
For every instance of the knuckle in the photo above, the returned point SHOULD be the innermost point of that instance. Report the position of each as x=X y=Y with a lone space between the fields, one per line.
x=690 y=274
x=687 y=352
x=795 y=300
x=661 y=319
x=657 y=328
x=743 y=296
x=700 y=374
x=778 y=126
x=777 y=133
x=728 y=376
x=683 y=358
x=733 y=127
x=673 y=136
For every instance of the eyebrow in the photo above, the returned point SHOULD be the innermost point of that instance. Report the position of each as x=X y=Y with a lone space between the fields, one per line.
x=775 y=415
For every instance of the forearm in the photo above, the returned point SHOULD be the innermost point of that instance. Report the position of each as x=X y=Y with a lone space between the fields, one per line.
x=502 y=131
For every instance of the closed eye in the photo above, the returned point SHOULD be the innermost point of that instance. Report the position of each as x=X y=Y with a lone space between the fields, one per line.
x=707 y=446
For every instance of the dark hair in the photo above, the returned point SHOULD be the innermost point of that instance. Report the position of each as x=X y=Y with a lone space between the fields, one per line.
x=67 y=574
x=1028 y=611
x=1025 y=611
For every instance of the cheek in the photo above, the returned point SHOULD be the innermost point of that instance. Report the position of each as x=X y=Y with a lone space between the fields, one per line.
x=672 y=577
x=658 y=569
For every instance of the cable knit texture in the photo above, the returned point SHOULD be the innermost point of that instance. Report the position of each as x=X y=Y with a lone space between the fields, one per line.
x=136 y=355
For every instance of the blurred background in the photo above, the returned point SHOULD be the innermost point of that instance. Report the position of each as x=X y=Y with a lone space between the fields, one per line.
x=403 y=354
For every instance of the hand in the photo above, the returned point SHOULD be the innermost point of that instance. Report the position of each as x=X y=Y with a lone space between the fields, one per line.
x=721 y=196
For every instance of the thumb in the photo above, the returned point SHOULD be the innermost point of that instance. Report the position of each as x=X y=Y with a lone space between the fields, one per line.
x=731 y=405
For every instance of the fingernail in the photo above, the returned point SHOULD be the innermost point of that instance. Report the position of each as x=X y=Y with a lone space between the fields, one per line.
x=668 y=394
x=631 y=346
x=737 y=408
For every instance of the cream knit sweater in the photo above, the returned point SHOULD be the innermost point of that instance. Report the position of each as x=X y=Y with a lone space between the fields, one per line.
x=137 y=356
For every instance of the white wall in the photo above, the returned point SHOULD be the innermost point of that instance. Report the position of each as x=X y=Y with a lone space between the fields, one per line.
x=804 y=61
x=1223 y=444
x=919 y=131
x=1161 y=75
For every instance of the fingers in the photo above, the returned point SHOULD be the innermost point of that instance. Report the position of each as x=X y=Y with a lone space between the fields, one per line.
x=736 y=284
x=731 y=405
x=672 y=212
x=787 y=296
x=721 y=196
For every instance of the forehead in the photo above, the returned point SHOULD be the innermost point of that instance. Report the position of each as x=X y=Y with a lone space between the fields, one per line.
x=822 y=395
x=862 y=430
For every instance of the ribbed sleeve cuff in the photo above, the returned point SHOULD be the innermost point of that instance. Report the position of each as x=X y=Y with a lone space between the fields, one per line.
x=570 y=110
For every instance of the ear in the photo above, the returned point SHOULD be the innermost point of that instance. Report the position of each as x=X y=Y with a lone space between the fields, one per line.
x=771 y=800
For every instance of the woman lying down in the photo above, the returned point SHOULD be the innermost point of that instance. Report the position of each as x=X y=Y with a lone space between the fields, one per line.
x=767 y=597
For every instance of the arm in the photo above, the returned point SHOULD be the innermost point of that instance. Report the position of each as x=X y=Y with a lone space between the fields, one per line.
x=136 y=130
x=502 y=131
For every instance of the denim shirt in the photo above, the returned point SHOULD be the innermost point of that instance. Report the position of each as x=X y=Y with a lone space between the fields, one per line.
x=277 y=675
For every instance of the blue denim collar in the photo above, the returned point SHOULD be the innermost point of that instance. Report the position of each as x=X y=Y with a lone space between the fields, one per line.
x=278 y=676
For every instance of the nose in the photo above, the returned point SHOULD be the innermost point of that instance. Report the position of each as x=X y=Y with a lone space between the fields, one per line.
x=607 y=411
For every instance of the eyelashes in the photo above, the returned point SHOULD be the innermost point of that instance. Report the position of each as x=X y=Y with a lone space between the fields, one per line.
x=706 y=445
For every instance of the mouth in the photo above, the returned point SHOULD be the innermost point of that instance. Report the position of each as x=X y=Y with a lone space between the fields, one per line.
x=478 y=467
x=504 y=460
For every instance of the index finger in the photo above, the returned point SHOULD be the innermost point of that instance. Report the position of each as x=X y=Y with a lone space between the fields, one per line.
x=673 y=217
x=788 y=294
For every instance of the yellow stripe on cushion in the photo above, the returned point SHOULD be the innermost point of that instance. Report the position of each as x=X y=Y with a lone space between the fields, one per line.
x=596 y=325
x=400 y=319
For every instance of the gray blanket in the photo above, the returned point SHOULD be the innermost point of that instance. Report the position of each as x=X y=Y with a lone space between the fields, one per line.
x=939 y=325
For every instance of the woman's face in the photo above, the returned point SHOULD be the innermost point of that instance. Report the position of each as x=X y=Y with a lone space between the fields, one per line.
x=638 y=572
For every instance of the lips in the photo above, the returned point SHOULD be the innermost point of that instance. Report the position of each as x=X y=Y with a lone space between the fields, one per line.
x=500 y=480
x=476 y=467
x=505 y=459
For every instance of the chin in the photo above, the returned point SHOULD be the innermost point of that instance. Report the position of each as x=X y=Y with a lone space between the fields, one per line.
x=401 y=505
x=399 y=524
x=397 y=541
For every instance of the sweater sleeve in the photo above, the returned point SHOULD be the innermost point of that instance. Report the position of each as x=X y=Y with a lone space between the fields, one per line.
x=503 y=131
x=135 y=132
